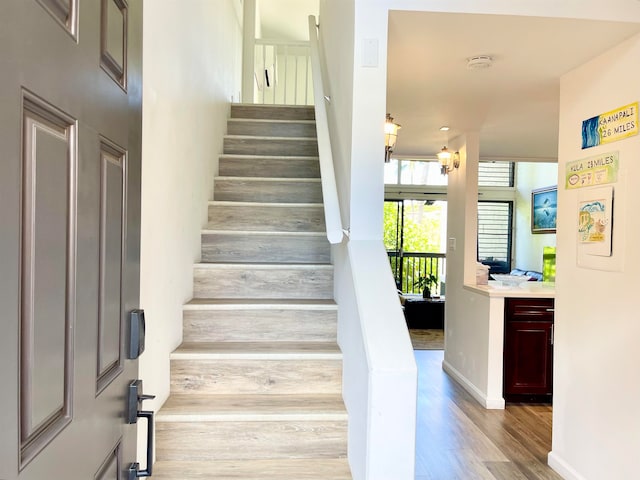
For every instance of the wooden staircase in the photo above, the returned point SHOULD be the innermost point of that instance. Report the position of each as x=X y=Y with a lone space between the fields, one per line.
x=256 y=385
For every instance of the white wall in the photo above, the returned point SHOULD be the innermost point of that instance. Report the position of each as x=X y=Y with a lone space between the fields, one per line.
x=528 y=246
x=380 y=375
x=468 y=337
x=285 y=19
x=596 y=420
x=191 y=72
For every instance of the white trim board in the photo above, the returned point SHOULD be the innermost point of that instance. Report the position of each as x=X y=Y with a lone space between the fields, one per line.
x=489 y=403
x=562 y=467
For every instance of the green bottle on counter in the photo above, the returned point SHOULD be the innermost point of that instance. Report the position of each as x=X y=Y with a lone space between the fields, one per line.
x=549 y=264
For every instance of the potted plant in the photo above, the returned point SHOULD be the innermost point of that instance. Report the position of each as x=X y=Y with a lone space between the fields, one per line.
x=426 y=282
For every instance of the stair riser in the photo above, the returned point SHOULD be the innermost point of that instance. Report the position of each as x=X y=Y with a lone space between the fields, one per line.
x=259 y=325
x=270 y=146
x=281 y=167
x=250 y=440
x=259 y=128
x=272 y=112
x=266 y=218
x=239 y=377
x=262 y=469
x=265 y=248
x=248 y=282
x=267 y=191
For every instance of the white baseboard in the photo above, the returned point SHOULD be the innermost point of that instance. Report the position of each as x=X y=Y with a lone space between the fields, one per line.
x=563 y=468
x=496 y=403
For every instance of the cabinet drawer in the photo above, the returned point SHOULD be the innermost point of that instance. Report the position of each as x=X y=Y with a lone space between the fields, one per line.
x=533 y=309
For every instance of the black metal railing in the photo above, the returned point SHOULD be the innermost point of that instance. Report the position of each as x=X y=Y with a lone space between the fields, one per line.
x=408 y=267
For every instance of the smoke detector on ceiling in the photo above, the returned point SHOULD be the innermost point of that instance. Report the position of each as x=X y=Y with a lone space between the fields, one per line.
x=479 y=62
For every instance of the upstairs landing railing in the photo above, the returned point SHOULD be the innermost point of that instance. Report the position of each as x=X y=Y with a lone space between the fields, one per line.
x=282 y=73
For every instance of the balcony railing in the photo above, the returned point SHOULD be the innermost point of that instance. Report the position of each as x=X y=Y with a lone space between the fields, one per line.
x=408 y=267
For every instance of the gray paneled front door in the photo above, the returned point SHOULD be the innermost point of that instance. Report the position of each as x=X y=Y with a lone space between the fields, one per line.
x=70 y=127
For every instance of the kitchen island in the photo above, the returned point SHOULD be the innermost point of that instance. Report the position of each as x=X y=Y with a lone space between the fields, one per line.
x=481 y=369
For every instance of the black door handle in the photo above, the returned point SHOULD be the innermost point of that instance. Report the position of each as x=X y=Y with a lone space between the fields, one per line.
x=135 y=398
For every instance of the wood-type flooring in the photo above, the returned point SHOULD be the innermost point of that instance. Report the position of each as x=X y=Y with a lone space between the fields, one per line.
x=427 y=339
x=458 y=439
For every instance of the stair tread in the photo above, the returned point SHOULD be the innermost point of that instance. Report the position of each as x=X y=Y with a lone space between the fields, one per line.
x=264 y=204
x=262 y=469
x=269 y=137
x=198 y=303
x=270 y=179
x=250 y=407
x=265 y=266
x=268 y=157
x=263 y=349
x=270 y=233
x=270 y=120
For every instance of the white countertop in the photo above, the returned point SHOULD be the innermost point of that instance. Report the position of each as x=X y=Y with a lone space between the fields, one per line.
x=524 y=290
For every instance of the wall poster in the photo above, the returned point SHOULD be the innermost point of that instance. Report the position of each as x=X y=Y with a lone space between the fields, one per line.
x=544 y=210
x=595 y=221
x=610 y=126
x=592 y=171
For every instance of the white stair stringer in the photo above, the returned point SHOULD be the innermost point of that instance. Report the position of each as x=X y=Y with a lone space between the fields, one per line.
x=256 y=387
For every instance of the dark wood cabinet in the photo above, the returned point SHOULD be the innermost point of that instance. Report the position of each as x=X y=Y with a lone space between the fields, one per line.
x=528 y=349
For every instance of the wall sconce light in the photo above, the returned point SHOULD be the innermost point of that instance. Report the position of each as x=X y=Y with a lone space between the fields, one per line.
x=390 y=136
x=448 y=161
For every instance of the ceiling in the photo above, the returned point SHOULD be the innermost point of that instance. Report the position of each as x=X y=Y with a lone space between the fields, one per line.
x=513 y=104
x=286 y=19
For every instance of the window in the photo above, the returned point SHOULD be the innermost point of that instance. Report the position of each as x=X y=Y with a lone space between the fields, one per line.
x=495 y=222
x=495 y=174
x=414 y=236
x=413 y=172
x=406 y=181
x=495 y=214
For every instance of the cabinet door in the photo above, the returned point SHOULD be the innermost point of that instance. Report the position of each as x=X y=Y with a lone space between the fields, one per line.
x=528 y=358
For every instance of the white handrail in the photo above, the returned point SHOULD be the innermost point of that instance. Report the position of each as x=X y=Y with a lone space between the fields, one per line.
x=332 y=217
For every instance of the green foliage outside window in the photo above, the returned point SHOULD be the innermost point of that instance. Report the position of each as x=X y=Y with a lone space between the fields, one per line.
x=423 y=224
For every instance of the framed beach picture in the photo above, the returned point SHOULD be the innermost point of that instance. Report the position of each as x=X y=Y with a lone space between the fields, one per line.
x=544 y=210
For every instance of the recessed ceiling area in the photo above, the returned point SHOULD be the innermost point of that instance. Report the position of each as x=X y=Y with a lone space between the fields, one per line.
x=513 y=104
x=285 y=19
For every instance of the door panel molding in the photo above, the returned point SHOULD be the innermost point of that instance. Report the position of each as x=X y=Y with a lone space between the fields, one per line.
x=47 y=296
x=65 y=13
x=113 y=208
x=112 y=465
x=113 y=40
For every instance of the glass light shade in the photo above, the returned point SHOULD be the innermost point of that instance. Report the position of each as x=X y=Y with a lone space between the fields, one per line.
x=444 y=156
x=448 y=160
x=390 y=132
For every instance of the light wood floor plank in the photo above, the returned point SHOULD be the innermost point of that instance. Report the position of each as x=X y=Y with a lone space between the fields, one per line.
x=459 y=439
x=505 y=471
